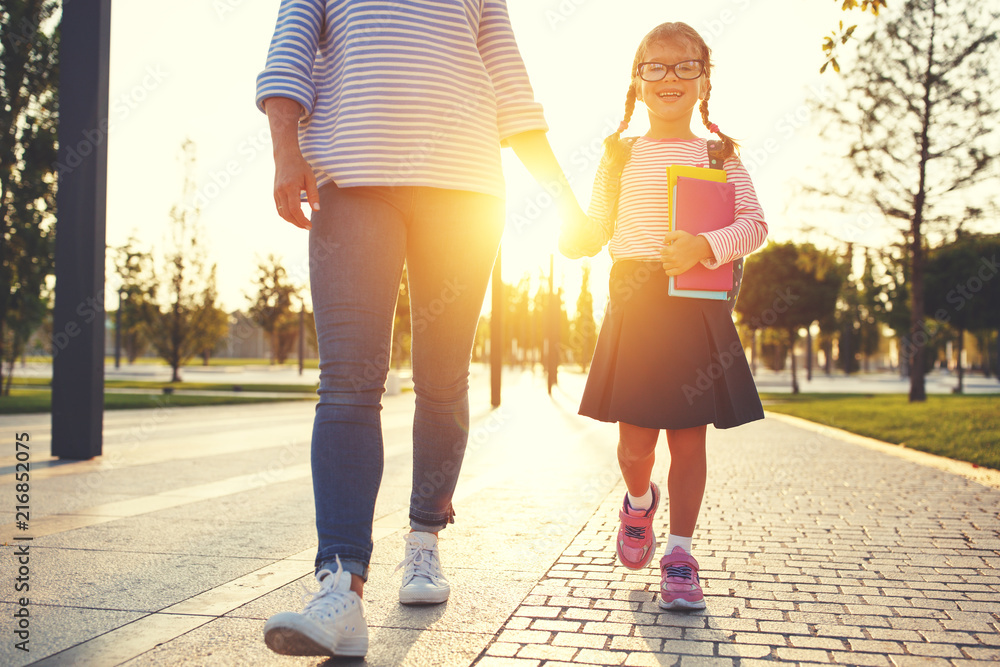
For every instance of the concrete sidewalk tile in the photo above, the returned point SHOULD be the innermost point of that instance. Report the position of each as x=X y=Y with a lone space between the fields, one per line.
x=784 y=627
x=631 y=617
x=503 y=649
x=525 y=636
x=578 y=614
x=918 y=661
x=874 y=646
x=537 y=611
x=760 y=638
x=636 y=644
x=705 y=661
x=744 y=651
x=948 y=637
x=607 y=628
x=579 y=641
x=556 y=626
x=707 y=635
x=991 y=639
x=659 y=632
x=802 y=655
x=986 y=654
x=826 y=643
x=861 y=659
x=600 y=657
x=894 y=635
x=933 y=650
x=547 y=652
x=651 y=660
x=493 y=661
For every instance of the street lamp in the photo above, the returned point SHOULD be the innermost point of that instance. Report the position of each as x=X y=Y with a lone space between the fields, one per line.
x=122 y=297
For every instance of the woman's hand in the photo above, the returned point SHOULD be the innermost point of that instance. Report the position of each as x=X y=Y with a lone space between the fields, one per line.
x=292 y=174
x=681 y=251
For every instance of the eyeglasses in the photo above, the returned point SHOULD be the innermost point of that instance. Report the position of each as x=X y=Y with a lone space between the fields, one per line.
x=688 y=69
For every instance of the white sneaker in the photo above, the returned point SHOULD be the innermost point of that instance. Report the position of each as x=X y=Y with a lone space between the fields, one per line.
x=332 y=623
x=423 y=582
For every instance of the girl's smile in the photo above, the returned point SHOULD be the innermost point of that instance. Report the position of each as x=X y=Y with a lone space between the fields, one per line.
x=672 y=100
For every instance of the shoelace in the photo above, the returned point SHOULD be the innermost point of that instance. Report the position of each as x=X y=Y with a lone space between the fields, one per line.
x=419 y=562
x=635 y=532
x=327 y=601
x=682 y=571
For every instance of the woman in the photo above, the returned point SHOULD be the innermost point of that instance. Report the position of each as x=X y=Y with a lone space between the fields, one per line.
x=390 y=117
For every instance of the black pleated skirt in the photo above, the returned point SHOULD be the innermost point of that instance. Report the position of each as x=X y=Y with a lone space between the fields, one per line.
x=667 y=362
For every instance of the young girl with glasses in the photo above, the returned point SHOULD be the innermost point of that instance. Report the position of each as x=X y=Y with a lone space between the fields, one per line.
x=665 y=362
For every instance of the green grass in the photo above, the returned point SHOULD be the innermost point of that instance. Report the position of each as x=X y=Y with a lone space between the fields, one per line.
x=22 y=401
x=156 y=361
x=966 y=428
x=201 y=386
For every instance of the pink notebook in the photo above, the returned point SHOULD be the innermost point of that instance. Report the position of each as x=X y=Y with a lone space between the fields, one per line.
x=703 y=206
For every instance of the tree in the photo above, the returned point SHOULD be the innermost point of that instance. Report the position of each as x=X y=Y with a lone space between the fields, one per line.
x=962 y=287
x=842 y=35
x=923 y=79
x=29 y=72
x=271 y=307
x=583 y=332
x=182 y=323
x=213 y=322
x=137 y=296
x=792 y=287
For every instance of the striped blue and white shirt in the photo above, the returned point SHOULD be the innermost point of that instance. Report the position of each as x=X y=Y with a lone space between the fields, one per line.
x=402 y=92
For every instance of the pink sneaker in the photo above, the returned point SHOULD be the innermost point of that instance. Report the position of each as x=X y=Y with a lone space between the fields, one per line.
x=679 y=584
x=636 y=544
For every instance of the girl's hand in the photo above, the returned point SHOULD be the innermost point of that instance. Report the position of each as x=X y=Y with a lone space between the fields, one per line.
x=681 y=251
x=579 y=236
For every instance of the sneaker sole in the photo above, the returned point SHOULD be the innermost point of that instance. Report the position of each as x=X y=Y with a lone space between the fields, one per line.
x=649 y=556
x=284 y=639
x=682 y=604
x=423 y=597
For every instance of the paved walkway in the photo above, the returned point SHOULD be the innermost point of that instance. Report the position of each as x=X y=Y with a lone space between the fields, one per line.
x=197 y=524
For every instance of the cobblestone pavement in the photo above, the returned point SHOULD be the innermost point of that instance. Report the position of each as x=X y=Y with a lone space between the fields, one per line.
x=813 y=551
x=197 y=524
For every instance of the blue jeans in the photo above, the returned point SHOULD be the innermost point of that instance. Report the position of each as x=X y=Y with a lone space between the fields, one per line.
x=359 y=239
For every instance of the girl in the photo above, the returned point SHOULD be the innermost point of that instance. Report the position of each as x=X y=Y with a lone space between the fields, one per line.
x=665 y=362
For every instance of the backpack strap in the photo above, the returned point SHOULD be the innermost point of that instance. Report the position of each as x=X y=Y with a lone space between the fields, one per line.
x=716 y=161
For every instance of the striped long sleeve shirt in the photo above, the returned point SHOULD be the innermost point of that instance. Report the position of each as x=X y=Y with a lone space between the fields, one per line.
x=633 y=213
x=402 y=92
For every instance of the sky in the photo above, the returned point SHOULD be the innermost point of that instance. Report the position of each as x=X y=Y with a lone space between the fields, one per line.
x=187 y=70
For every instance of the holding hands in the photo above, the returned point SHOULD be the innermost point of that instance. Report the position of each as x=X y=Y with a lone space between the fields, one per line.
x=682 y=250
x=579 y=236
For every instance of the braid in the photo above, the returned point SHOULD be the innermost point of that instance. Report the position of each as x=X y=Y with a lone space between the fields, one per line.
x=729 y=147
x=613 y=148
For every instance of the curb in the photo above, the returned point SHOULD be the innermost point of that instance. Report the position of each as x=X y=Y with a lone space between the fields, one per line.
x=985 y=476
